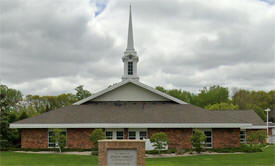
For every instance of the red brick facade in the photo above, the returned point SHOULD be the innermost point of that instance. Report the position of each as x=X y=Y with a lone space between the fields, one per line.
x=223 y=138
x=177 y=137
x=34 y=138
x=80 y=138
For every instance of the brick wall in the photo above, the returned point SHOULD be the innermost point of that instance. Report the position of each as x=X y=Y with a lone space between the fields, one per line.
x=177 y=137
x=79 y=138
x=34 y=138
x=223 y=138
x=105 y=145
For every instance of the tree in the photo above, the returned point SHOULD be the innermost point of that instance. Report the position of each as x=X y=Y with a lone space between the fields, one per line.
x=159 y=140
x=212 y=95
x=198 y=139
x=178 y=93
x=81 y=93
x=59 y=138
x=222 y=106
x=96 y=135
x=9 y=99
x=257 y=137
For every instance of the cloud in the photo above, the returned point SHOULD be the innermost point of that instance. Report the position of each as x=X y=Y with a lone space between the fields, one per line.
x=50 y=47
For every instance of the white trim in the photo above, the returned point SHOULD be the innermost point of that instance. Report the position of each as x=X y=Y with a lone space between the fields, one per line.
x=254 y=127
x=135 y=83
x=135 y=125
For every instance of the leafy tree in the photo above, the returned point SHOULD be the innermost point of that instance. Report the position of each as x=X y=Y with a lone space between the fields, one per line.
x=178 y=93
x=9 y=99
x=159 y=140
x=222 y=106
x=59 y=138
x=213 y=95
x=23 y=115
x=81 y=93
x=198 y=139
x=96 y=135
x=257 y=137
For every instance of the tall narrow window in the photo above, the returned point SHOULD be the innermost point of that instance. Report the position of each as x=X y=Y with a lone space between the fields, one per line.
x=208 y=134
x=51 y=143
x=208 y=141
x=130 y=68
x=243 y=136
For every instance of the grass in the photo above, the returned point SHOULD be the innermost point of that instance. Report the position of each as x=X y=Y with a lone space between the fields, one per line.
x=266 y=158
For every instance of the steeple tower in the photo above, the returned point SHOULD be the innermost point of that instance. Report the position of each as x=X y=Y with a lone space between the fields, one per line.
x=130 y=58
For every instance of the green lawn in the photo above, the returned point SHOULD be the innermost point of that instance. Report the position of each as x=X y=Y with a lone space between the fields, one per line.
x=266 y=158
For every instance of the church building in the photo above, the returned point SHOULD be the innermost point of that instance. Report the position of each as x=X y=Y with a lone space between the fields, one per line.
x=133 y=110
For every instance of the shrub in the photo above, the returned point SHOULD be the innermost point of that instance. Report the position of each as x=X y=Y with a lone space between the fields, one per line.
x=159 y=140
x=198 y=139
x=257 y=137
x=96 y=135
x=156 y=152
x=59 y=139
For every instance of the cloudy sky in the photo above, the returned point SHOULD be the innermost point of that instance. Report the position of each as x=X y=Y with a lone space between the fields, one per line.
x=49 y=47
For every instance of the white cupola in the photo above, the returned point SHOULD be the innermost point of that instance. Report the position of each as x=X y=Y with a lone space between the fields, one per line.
x=130 y=58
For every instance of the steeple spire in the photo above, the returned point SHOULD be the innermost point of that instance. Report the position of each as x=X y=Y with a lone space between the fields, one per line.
x=130 y=58
x=130 y=43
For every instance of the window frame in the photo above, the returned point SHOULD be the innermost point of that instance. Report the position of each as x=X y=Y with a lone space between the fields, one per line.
x=119 y=138
x=211 y=137
x=132 y=137
x=142 y=137
x=130 y=68
x=109 y=137
x=51 y=130
x=243 y=140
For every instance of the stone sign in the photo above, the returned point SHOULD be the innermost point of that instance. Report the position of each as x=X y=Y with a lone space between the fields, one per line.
x=121 y=153
x=121 y=157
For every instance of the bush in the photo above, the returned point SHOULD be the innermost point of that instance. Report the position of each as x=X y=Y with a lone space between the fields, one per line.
x=257 y=137
x=159 y=140
x=59 y=138
x=198 y=139
x=156 y=152
x=243 y=148
x=96 y=135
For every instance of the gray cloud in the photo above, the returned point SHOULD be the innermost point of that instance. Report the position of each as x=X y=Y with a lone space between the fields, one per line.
x=50 y=47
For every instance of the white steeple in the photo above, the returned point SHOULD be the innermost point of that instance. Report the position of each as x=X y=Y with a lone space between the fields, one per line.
x=130 y=58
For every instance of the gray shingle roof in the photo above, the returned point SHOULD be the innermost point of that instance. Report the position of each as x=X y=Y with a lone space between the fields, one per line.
x=141 y=112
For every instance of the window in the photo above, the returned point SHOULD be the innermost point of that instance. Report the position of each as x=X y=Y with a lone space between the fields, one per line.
x=208 y=141
x=142 y=135
x=243 y=136
x=208 y=134
x=52 y=144
x=132 y=135
x=119 y=135
x=130 y=68
x=109 y=135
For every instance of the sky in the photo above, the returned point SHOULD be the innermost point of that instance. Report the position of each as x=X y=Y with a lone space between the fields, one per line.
x=50 y=47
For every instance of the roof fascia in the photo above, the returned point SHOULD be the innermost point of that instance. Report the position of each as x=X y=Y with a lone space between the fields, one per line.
x=134 y=82
x=135 y=125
